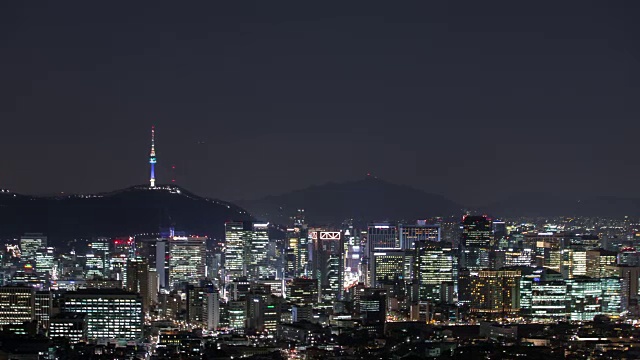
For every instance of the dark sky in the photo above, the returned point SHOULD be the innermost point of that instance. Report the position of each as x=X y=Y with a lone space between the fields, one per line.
x=473 y=100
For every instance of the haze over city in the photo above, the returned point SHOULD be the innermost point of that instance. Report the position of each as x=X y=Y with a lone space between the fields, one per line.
x=353 y=180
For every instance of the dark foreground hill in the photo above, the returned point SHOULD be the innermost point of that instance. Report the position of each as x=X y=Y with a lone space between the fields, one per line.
x=366 y=200
x=133 y=210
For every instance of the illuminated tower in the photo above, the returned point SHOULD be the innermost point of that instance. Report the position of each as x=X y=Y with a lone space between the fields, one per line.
x=152 y=157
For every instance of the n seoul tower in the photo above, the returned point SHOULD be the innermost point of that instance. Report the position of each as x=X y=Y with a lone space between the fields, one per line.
x=152 y=157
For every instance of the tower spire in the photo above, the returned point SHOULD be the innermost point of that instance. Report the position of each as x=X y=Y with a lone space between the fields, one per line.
x=152 y=157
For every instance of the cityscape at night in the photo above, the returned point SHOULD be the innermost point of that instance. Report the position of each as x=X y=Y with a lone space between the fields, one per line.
x=360 y=180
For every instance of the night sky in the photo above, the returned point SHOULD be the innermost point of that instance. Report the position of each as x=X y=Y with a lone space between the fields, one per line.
x=473 y=100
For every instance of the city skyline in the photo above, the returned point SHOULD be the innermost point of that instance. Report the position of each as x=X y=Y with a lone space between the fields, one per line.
x=330 y=180
x=513 y=97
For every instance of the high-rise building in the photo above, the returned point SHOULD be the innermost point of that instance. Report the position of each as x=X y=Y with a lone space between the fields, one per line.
x=263 y=311
x=111 y=313
x=237 y=314
x=256 y=254
x=95 y=267
x=236 y=236
x=186 y=260
x=499 y=229
x=543 y=300
x=30 y=243
x=140 y=281
x=372 y=308
x=302 y=291
x=523 y=257
x=583 y=296
x=16 y=304
x=477 y=231
x=161 y=262
x=629 y=292
x=389 y=266
x=601 y=263
x=297 y=250
x=46 y=264
x=435 y=264
x=574 y=262
x=495 y=294
x=203 y=306
x=383 y=236
x=43 y=308
x=421 y=231
x=611 y=296
x=328 y=263
x=475 y=243
x=97 y=259
x=246 y=250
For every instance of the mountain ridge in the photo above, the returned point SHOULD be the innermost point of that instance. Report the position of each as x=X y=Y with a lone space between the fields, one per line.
x=368 y=199
x=133 y=210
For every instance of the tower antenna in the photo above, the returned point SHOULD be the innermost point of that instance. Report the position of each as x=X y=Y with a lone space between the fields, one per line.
x=152 y=157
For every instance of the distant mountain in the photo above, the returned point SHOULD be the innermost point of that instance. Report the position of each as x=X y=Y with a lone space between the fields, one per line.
x=370 y=199
x=133 y=210
x=544 y=204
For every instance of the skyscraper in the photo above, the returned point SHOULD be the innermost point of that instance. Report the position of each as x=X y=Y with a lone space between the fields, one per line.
x=256 y=253
x=235 y=238
x=246 y=250
x=139 y=281
x=421 y=231
x=297 y=250
x=328 y=263
x=30 y=243
x=435 y=264
x=186 y=260
x=383 y=236
x=476 y=231
x=476 y=242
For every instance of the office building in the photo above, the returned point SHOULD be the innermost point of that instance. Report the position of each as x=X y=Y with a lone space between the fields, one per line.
x=140 y=280
x=69 y=326
x=435 y=264
x=186 y=260
x=495 y=294
x=203 y=306
x=256 y=253
x=475 y=242
x=629 y=288
x=421 y=231
x=383 y=236
x=16 y=304
x=328 y=264
x=30 y=243
x=43 y=308
x=583 y=295
x=601 y=263
x=372 y=308
x=477 y=231
x=237 y=237
x=237 y=315
x=544 y=301
x=46 y=264
x=246 y=246
x=111 y=313
x=389 y=266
